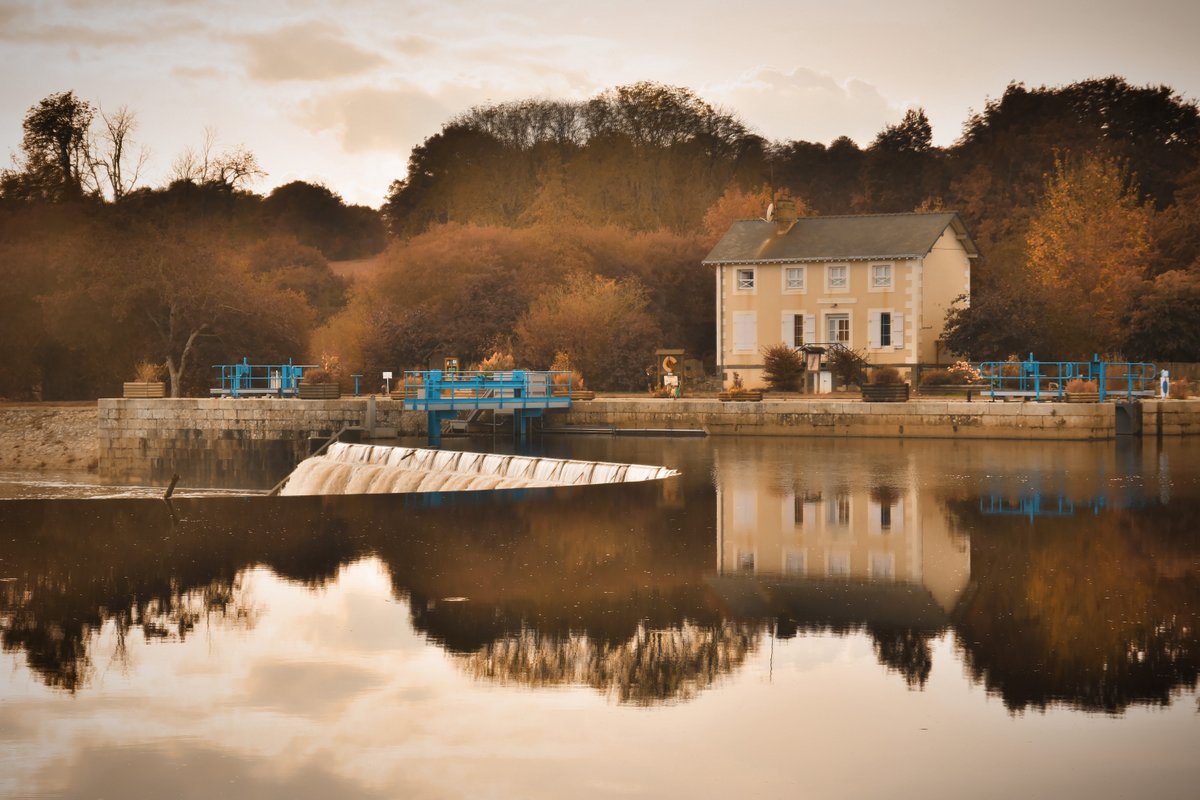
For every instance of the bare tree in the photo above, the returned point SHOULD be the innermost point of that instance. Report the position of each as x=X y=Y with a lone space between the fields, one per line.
x=231 y=169
x=112 y=164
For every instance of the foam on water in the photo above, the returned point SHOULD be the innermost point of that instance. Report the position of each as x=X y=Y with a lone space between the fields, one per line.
x=378 y=469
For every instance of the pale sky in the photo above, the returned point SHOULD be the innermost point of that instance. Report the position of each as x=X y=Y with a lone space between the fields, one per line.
x=338 y=92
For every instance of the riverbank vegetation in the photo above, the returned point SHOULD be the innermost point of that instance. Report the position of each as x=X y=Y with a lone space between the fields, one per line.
x=518 y=224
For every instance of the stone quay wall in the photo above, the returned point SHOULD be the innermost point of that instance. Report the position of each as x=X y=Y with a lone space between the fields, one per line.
x=219 y=442
x=915 y=419
x=252 y=443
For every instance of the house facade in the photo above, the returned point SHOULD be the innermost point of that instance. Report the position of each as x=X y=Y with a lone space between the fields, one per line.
x=879 y=283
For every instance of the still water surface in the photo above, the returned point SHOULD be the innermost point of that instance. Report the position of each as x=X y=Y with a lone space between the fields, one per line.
x=817 y=618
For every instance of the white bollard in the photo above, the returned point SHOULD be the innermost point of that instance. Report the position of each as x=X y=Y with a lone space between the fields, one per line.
x=1164 y=384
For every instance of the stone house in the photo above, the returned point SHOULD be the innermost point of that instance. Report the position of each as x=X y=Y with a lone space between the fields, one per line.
x=879 y=283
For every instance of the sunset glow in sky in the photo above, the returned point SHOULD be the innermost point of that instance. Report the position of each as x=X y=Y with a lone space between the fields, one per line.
x=338 y=92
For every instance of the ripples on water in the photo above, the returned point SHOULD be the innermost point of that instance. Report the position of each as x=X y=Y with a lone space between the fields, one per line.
x=846 y=618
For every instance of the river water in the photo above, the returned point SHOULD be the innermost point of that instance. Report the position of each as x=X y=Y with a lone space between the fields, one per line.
x=789 y=617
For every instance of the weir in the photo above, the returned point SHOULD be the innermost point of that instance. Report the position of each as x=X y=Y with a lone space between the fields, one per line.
x=379 y=469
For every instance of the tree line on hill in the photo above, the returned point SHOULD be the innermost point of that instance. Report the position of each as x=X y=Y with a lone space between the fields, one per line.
x=543 y=227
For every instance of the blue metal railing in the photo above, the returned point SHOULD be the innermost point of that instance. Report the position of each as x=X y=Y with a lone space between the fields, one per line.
x=1047 y=380
x=527 y=394
x=280 y=380
x=437 y=389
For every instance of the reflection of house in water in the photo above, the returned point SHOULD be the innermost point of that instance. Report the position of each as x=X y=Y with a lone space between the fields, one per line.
x=881 y=545
x=815 y=552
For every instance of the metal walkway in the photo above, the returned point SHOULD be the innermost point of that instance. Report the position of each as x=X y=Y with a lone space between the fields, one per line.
x=525 y=394
x=1047 y=380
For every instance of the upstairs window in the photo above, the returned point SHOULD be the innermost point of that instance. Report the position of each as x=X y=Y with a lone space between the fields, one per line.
x=745 y=280
x=838 y=277
x=793 y=280
x=881 y=276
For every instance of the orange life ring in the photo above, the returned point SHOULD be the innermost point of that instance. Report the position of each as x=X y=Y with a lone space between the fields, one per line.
x=668 y=363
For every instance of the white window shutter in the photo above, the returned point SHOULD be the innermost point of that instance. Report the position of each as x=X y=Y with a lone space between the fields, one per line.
x=788 y=330
x=744 y=337
x=897 y=330
x=873 y=329
x=810 y=328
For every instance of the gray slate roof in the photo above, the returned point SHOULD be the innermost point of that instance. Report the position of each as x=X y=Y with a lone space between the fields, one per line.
x=845 y=238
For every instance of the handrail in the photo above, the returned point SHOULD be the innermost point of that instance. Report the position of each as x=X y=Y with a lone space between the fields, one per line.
x=282 y=380
x=486 y=389
x=1048 y=379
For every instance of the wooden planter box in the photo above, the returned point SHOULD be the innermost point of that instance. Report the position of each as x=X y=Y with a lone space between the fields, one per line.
x=144 y=389
x=751 y=395
x=319 y=391
x=578 y=394
x=1083 y=397
x=891 y=393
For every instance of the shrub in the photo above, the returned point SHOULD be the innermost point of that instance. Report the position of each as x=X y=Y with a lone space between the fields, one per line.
x=1178 y=389
x=501 y=360
x=848 y=366
x=318 y=375
x=564 y=371
x=937 y=377
x=1080 y=386
x=783 y=367
x=145 y=372
x=885 y=376
x=963 y=372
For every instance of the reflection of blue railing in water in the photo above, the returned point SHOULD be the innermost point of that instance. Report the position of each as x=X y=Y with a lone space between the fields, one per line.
x=1035 y=505
x=1047 y=380
x=280 y=380
x=527 y=394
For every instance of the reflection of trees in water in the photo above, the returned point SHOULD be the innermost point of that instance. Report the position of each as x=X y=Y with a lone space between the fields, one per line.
x=904 y=651
x=57 y=627
x=84 y=565
x=653 y=666
x=1092 y=611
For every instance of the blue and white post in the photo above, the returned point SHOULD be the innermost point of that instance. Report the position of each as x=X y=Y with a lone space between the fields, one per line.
x=1164 y=384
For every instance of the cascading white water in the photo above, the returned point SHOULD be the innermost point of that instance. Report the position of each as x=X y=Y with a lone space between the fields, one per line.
x=377 y=469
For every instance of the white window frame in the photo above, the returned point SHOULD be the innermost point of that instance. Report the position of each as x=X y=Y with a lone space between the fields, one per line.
x=890 y=284
x=846 y=315
x=742 y=284
x=830 y=286
x=802 y=286
x=882 y=343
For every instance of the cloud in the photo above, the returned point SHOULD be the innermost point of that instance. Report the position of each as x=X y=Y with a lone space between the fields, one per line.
x=24 y=25
x=807 y=104
x=370 y=118
x=197 y=73
x=307 y=52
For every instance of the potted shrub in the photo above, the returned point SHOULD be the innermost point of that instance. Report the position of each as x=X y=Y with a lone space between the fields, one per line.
x=1082 y=391
x=885 y=386
x=738 y=392
x=319 y=384
x=565 y=379
x=146 y=382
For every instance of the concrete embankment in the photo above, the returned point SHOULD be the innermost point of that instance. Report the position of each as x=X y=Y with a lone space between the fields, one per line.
x=40 y=436
x=219 y=442
x=227 y=442
x=915 y=419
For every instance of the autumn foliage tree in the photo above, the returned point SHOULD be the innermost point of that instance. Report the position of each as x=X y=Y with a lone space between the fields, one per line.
x=603 y=325
x=1088 y=251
